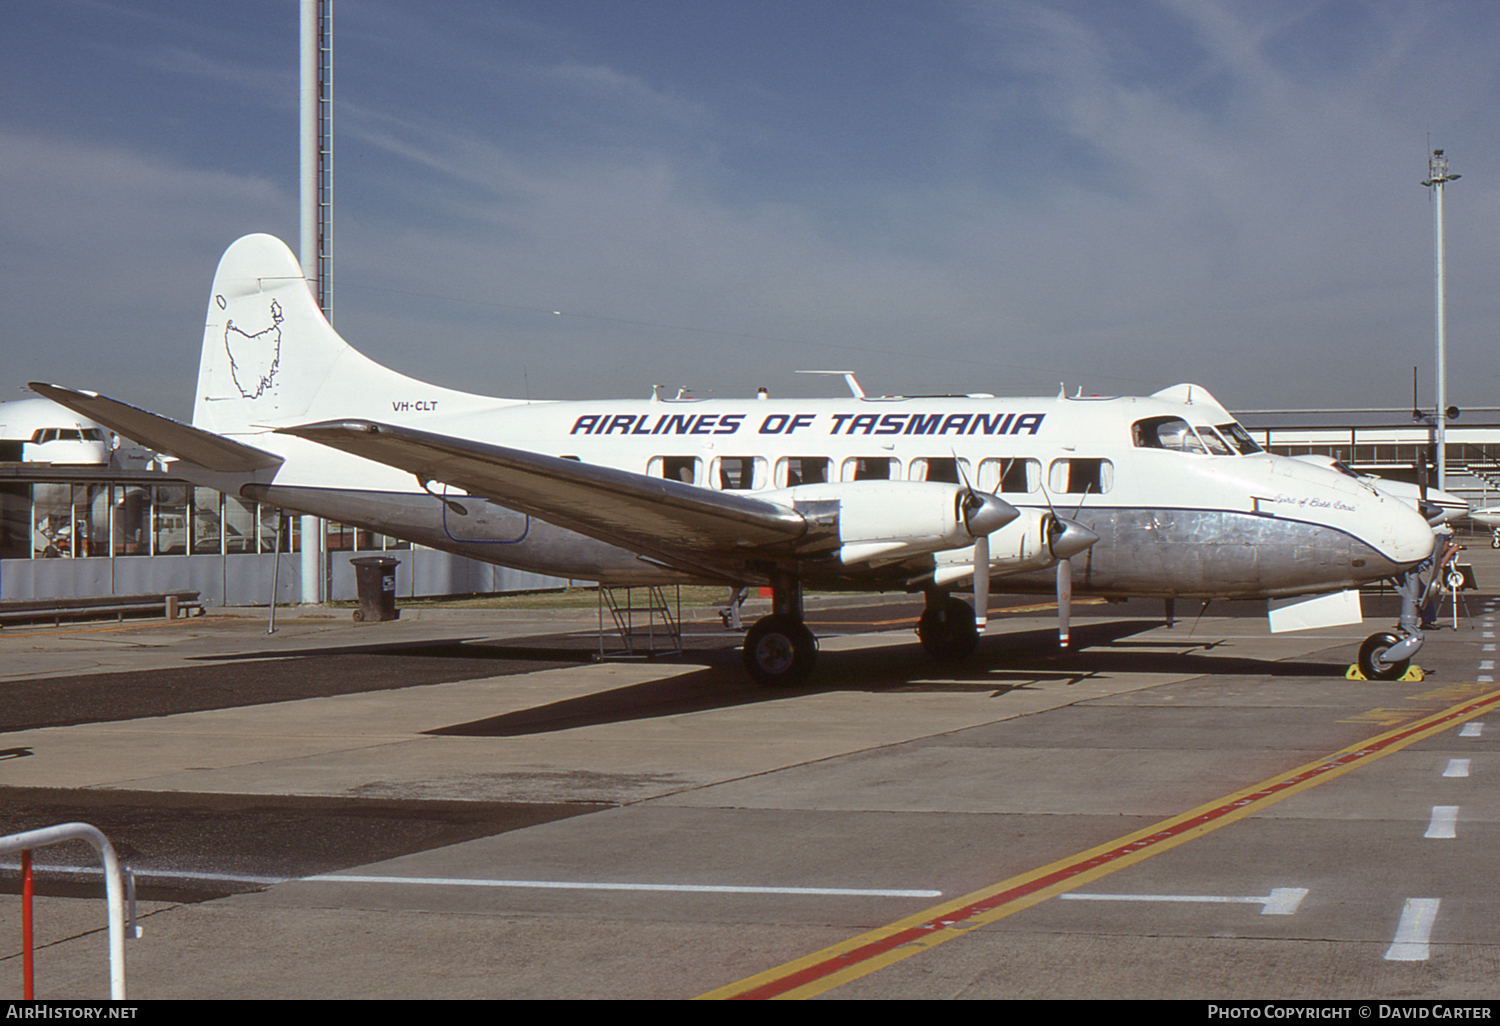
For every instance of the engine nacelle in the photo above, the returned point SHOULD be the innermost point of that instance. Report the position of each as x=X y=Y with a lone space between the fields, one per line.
x=1035 y=540
x=888 y=521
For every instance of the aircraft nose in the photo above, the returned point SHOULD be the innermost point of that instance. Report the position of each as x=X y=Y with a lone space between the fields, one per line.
x=985 y=514
x=1408 y=537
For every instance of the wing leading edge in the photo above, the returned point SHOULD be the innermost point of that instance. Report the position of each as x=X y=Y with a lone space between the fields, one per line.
x=675 y=522
x=163 y=434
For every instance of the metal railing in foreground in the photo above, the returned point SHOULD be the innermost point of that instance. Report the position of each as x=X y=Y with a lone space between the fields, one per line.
x=24 y=842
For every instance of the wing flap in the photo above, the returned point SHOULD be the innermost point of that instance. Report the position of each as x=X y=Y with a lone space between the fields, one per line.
x=646 y=514
x=163 y=434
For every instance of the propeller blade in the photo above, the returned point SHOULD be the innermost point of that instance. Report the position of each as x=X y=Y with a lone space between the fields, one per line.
x=1064 y=599
x=981 y=582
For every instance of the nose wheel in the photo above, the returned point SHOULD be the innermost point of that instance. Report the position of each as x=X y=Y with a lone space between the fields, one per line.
x=1387 y=655
x=1372 y=658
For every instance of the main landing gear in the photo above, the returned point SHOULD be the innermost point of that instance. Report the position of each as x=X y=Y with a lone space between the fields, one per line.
x=779 y=649
x=947 y=628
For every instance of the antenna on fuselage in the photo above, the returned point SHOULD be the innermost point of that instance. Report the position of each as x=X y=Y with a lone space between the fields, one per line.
x=848 y=377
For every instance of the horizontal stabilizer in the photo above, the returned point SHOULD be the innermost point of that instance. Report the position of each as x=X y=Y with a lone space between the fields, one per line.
x=163 y=434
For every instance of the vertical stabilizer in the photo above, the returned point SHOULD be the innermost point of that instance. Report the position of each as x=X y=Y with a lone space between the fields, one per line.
x=269 y=355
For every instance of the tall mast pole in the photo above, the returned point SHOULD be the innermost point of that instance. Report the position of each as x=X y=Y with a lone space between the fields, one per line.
x=316 y=152
x=1437 y=177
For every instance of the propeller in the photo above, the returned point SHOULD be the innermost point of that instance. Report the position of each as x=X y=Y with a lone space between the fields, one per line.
x=982 y=512
x=1065 y=539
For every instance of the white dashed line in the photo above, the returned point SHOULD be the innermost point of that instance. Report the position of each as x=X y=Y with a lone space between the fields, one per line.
x=1444 y=822
x=1282 y=901
x=1457 y=768
x=1410 y=944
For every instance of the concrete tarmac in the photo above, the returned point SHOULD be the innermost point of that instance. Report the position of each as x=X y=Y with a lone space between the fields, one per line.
x=464 y=806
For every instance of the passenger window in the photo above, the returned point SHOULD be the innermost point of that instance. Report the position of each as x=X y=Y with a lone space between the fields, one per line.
x=736 y=473
x=939 y=468
x=1013 y=475
x=1081 y=476
x=792 y=471
x=868 y=468
x=674 y=468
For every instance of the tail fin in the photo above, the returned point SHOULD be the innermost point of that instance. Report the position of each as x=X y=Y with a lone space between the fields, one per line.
x=270 y=357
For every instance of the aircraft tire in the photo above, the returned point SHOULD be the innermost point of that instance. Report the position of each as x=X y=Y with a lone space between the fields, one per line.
x=948 y=631
x=780 y=651
x=1375 y=646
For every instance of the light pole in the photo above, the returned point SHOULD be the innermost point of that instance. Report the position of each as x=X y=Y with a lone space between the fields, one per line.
x=316 y=124
x=1437 y=177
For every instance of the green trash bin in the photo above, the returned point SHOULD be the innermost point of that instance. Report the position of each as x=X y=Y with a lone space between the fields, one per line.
x=375 y=578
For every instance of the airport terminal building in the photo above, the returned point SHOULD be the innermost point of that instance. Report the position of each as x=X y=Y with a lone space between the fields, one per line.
x=82 y=515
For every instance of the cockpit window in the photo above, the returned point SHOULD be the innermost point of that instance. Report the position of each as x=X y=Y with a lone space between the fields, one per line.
x=1239 y=438
x=1178 y=435
x=1216 y=445
x=1167 y=433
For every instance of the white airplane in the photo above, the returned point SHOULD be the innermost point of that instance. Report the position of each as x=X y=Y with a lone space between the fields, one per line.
x=39 y=431
x=1488 y=516
x=1161 y=496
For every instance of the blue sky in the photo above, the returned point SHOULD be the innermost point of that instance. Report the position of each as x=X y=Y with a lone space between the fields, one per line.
x=941 y=195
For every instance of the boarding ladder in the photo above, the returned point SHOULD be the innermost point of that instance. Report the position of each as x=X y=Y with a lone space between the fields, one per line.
x=645 y=626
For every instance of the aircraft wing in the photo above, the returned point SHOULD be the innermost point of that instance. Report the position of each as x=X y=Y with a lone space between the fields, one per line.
x=676 y=522
x=163 y=434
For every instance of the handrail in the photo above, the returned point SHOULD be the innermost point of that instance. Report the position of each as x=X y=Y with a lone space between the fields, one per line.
x=113 y=891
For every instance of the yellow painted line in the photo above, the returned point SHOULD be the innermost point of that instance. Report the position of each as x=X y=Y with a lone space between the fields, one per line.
x=1384 y=717
x=860 y=956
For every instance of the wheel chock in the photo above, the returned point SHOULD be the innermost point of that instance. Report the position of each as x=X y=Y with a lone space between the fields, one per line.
x=1412 y=675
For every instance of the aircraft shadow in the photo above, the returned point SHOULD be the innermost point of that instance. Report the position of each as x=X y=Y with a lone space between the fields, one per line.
x=1002 y=663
